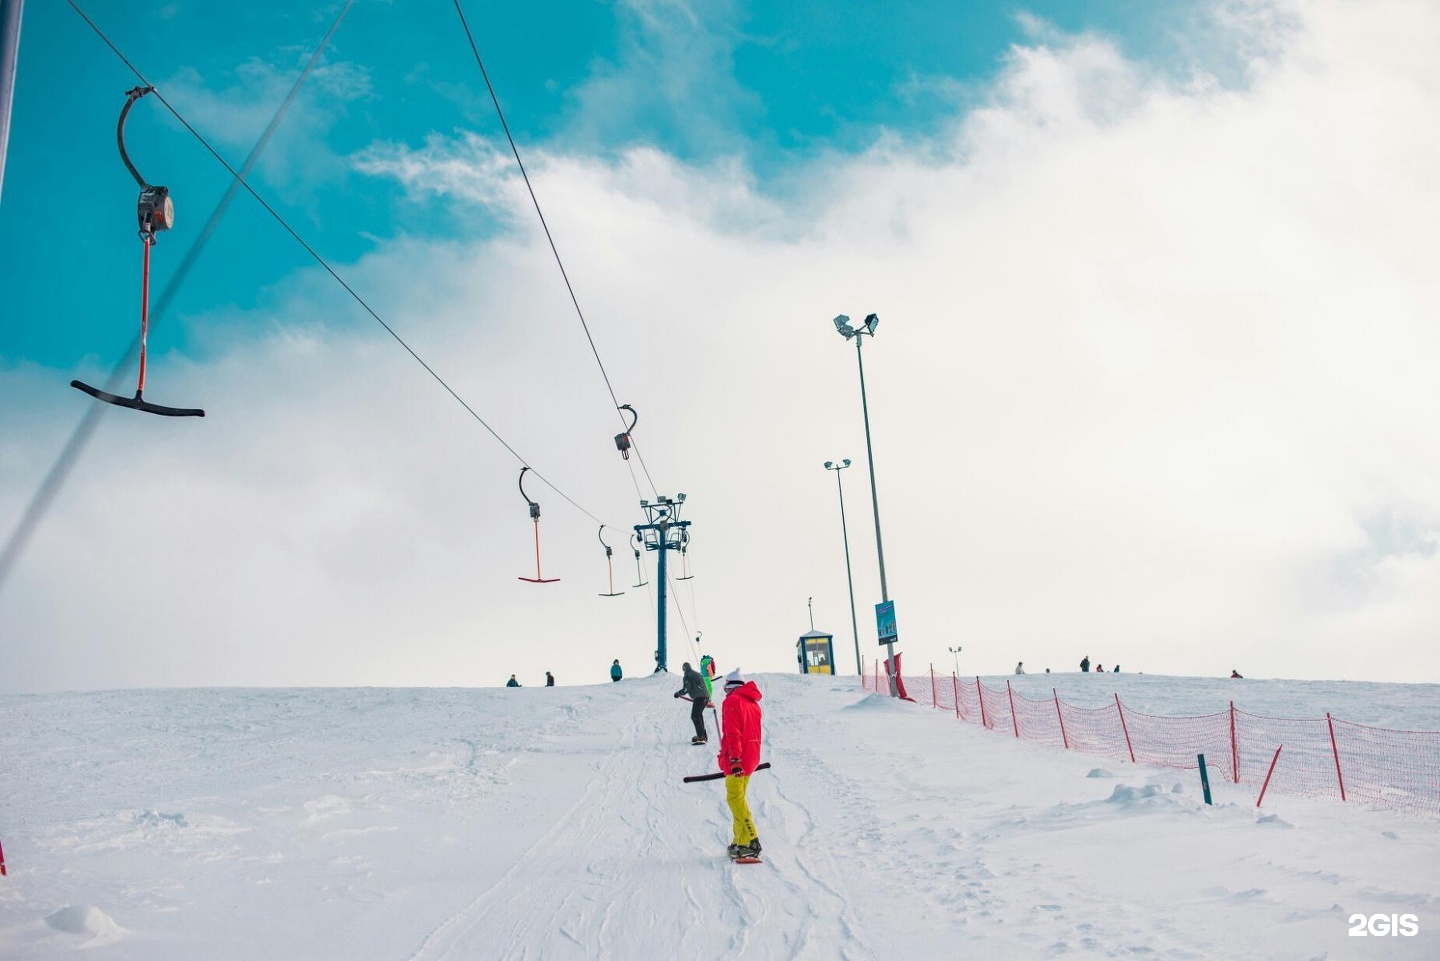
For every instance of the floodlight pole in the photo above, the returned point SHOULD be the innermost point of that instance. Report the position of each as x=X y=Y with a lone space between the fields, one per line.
x=664 y=533
x=842 y=324
x=849 y=578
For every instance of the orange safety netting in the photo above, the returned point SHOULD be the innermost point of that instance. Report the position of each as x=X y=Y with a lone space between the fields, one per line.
x=1315 y=757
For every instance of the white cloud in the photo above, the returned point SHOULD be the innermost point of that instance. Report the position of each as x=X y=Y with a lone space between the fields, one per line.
x=1154 y=383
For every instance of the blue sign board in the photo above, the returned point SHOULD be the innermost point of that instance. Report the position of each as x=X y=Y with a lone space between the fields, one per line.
x=885 y=621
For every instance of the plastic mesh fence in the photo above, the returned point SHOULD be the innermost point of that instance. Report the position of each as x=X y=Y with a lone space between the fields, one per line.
x=1318 y=757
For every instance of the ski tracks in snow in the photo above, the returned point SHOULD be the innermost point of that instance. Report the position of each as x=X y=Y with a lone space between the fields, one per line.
x=637 y=868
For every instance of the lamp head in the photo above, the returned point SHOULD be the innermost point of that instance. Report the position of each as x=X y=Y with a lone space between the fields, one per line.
x=842 y=324
x=871 y=322
x=829 y=464
x=845 y=462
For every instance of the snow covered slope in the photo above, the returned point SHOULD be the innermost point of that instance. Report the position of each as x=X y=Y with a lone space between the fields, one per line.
x=417 y=825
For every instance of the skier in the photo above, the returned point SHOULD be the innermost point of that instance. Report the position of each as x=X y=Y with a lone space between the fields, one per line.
x=1099 y=668
x=549 y=679
x=693 y=686
x=1085 y=664
x=739 y=754
x=615 y=672
x=1020 y=667
x=1117 y=668
x=512 y=682
x=1234 y=673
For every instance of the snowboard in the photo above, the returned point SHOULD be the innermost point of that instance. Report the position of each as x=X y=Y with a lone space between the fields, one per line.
x=747 y=861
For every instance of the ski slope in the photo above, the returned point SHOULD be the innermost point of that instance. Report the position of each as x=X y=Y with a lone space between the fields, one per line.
x=424 y=824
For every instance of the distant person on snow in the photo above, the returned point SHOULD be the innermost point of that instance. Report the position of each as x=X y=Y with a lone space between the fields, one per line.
x=1047 y=670
x=1085 y=664
x=1020 y=667
x=693 y=686
x=1099 y=668
x=1117 y=668
x=739 y=755
x=615 y=672
x=549 y=679
x=512 y=682
x=1235 y=673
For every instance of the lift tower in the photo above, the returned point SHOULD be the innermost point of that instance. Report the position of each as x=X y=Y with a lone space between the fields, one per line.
x=665 y=532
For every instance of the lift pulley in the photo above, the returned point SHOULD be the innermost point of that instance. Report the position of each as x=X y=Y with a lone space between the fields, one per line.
x=622 y=441
x=155 y=212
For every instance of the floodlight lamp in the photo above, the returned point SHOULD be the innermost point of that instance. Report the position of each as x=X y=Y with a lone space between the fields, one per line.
x=871 y=323
x=842 y=324
x=829 y=464
x=644 y=503
x=846 y=462
x=681 y=497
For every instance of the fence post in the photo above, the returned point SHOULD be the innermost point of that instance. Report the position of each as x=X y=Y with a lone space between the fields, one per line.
x=1064 y=739
x=1267 y=776
x=1124 y=727
x=1234 y=748
x=980 y=693
x=1014 y=721
x=1336 y=751
x=1204 y=779
x=934 y=700
x=955 y=682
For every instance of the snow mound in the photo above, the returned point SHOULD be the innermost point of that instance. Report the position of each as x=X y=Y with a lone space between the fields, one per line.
x=83 y=919
x=1126 y=794
x=1273 y=821
x=1100 y=772
x=876 y=702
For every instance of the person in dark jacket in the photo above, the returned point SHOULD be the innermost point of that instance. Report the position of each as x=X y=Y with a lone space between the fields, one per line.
x=512 y=682
x=739 y=756
x=549 y=679
x=1085 y=664
x=693 y=686
x=615 y=672
x=1234 y=673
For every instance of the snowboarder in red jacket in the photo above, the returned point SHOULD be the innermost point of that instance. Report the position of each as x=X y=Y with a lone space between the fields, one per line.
x=739 y=754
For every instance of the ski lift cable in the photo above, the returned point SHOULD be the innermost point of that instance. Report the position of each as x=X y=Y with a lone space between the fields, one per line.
x=545 y=226
x=79 y=438
x=316 y=256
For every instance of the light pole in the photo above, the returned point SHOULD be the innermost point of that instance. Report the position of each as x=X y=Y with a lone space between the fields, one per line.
x=842 y=324
x=845 y=533
x=956 y=652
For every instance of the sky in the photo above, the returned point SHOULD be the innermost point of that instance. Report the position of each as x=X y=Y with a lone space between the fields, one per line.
x=1153 y=381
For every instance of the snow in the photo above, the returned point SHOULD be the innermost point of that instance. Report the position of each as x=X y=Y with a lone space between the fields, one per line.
x=421 y=824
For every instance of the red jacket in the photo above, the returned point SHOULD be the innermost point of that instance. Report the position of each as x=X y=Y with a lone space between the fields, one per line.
x=740 y=729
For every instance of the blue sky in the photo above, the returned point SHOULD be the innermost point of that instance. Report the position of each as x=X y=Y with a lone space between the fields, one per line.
x=773 y=84
x=1154 y=381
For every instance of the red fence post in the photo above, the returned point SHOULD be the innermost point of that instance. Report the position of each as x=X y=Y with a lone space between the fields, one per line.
x=1234 y=750
x=934 y=700
x=1014 y=721
x=1124 y=727
x=1336 y=751
x=2 y=862
x=980 y=693
x=1063 y=738
x=1267 y=776
x=955 y=682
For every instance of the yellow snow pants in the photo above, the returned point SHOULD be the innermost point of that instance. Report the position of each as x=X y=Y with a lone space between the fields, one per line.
x=739 y=808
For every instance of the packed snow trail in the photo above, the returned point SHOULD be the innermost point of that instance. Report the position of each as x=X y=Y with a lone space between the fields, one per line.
x=639 y=865
x=432 y=824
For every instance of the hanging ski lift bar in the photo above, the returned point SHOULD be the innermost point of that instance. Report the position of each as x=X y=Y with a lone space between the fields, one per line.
x=534 y=516
x=154 y=212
